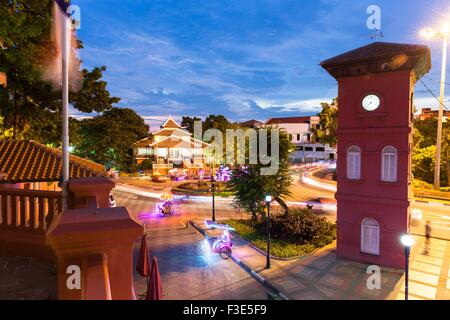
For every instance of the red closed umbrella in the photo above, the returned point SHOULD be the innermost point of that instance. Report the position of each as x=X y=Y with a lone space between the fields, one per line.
x=154 y=291
x=143 y=263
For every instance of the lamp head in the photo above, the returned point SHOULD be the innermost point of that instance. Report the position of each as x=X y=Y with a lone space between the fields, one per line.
x=428 y=33
x=268 y=198
x=407 y=240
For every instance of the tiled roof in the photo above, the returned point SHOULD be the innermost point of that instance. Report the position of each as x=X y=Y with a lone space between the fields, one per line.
x=252 y=122
x=179 y=142
x=170 y=123
x=144 y=142
x=288 y=120
x=30 y=161
x=375 y=51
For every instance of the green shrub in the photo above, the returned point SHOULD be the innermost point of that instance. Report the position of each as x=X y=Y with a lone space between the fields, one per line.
x=299 y=234
x=419 y=184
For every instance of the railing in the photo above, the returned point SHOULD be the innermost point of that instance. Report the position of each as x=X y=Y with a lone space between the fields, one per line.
x=30 y=210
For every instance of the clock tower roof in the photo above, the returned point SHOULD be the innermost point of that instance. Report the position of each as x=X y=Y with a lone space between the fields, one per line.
x=380 y=57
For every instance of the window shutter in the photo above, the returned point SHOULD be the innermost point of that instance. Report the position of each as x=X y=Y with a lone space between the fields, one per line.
x=370 y=237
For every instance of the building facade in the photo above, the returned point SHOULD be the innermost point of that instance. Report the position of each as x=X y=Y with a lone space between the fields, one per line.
x=299 y=130
x=170 y=147
x=376 y=99
x=428 y=113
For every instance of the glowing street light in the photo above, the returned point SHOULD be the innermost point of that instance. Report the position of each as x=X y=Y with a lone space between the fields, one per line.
x=441 y=34
x=407 y=242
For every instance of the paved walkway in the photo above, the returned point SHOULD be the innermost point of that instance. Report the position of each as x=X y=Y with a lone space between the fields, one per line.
x=325 y=276
x=187 y=276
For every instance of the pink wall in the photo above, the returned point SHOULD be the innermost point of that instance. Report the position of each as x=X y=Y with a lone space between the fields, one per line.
x=388 y=203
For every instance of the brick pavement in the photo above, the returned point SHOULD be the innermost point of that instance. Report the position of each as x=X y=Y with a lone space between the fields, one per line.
x=186 y=276
x=325 y=276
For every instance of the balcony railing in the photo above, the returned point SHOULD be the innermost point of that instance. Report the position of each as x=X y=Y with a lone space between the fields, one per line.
x=31 y=210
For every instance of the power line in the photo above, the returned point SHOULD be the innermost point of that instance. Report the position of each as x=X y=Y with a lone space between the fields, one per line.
x=446 y=83
x=432 y=93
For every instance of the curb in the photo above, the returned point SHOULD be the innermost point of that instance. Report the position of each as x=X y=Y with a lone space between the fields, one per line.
x=437 y=204
x=248 y=269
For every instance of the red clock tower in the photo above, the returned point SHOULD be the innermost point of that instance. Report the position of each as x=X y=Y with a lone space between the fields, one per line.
x=374 y=135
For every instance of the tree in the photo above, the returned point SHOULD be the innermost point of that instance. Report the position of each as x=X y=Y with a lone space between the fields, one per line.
x=188 y=123
x=325 y=132
x=424 y=151
x=250 y=187
x=5 y=132
x=30 y=104
x=217 y=122
x=107 y=138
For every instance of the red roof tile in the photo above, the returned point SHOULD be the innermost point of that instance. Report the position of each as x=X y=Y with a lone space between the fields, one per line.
x=375 y=51
x=288 y=120
x=30 y=161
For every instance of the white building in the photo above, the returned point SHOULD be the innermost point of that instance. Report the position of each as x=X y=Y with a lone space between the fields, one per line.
x=299 y=130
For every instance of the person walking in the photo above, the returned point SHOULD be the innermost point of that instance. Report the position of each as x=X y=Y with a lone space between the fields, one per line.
x=427 y=237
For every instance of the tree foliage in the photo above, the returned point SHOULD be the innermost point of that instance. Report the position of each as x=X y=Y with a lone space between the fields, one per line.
x=424 y=152
x=30 y=105
x=250 y=187
x=328 y=122
x=107 y=138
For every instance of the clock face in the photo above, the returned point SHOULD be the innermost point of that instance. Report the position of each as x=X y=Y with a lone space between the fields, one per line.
x=371 y=102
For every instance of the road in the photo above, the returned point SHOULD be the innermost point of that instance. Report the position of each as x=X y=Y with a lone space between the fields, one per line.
x=436 y=213
x=142 y=204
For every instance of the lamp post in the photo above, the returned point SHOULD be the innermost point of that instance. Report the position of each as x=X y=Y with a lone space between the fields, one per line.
x=443 y=35
x=213 y=189
x=268 y=201
x=407 y=242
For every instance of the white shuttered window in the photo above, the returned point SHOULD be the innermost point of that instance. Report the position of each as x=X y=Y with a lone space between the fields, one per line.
x=370 y=236
x=389 y=164
x=354 y=163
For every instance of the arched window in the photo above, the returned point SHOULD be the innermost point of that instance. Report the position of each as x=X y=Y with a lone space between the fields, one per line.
x=370 y=236
x=354 y=163
x=389 y=164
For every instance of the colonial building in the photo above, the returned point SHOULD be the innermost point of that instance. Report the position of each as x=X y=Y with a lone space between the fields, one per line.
x=170 y=147
x=428 y=113
x=299 y=130
x=376 y=98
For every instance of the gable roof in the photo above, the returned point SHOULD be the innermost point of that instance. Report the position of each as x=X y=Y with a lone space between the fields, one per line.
x=144 y=142
x=171 y=131
x=252 y=122
x=179 y=142
x=305 y=119
x=170 y=123
x=375 y=51
x=30 y=161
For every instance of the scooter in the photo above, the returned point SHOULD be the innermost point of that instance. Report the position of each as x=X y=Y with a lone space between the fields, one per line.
x=221 y=245
x=165 y=207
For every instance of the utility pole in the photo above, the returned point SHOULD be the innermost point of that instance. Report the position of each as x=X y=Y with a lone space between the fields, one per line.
x=437 y=170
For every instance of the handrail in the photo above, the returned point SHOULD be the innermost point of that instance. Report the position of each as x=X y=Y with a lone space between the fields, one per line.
x=31 y=210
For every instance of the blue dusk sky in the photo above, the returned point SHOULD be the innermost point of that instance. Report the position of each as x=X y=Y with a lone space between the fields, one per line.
x=247 y=59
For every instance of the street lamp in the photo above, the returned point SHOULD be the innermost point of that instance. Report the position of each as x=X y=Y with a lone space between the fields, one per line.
x=268 y=201
x=213 y=189
x=443 y=35
x=407 y=242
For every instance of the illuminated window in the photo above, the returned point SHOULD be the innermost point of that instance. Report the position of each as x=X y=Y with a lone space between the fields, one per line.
x=370 y=236
x=389 y=164
x=144 y=151
x=354 y=163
